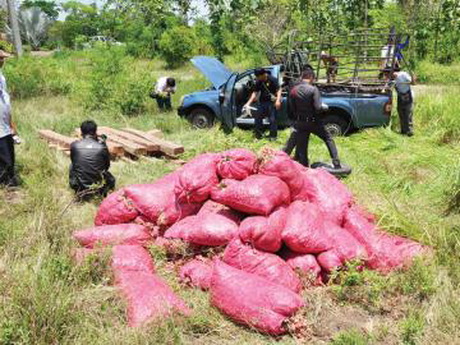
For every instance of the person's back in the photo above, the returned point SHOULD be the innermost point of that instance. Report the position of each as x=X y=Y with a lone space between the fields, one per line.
x=304 y=102
x=90 y=160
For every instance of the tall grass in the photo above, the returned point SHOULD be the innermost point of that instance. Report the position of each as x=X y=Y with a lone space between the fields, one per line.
x=47 y=299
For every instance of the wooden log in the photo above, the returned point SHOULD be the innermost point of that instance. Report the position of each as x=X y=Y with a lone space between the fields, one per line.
x=115 y=150
x=130 y=147
x=151 y=147
x=167 y=147
x=56 y=138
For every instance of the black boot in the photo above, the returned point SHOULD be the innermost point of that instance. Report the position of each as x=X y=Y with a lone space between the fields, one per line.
x=336 y=163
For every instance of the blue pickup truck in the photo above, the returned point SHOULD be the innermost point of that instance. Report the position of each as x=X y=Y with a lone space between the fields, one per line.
x=224 y=101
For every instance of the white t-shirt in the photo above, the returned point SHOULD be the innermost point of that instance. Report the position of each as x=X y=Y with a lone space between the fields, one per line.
x=5 y=109
x=162 y=85
x=402 y=83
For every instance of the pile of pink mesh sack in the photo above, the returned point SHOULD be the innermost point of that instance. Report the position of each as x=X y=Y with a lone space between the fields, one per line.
x=276 y=226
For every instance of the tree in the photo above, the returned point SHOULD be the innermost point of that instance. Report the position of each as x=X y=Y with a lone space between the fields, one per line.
x=176 y=45
x=34 y=24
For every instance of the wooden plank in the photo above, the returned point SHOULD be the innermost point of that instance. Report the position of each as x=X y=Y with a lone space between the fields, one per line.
x=56 y=138
x=151 y=147
x=167 y=147
x=128 y=146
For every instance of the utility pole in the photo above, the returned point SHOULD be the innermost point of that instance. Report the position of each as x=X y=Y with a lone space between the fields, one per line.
x=14 y=27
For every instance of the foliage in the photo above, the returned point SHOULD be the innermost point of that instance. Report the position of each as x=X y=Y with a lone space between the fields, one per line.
x=50 y=8
x=177 y=45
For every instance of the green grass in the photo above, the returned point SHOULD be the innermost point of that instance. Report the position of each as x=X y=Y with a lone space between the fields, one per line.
x=411 y=184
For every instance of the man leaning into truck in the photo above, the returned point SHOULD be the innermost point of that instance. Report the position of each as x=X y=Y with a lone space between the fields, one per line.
x=268 y=90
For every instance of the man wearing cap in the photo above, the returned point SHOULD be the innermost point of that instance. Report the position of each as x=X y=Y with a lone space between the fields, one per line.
x=268 y=90
x=402 y=81
x=8 y=133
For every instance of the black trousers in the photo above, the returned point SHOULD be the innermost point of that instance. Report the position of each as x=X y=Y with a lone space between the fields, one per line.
x=302 y=133
x=7 y=160
x=405 y=112
x=164 y=103
x=86 y=193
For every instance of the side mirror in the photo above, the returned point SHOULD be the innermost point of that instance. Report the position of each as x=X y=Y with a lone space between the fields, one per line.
x=221 y=97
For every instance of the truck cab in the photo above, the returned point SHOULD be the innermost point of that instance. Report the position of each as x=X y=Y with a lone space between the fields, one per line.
x=224 y=100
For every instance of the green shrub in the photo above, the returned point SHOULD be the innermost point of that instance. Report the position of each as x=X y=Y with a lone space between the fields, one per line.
x=176 y=46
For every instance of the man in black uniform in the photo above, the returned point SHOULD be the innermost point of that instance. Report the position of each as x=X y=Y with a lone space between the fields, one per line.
x=305 y=107
x=269 y=92
x=89 y=172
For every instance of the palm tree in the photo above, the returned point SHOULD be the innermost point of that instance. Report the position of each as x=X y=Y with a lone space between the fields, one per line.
x=34 y=24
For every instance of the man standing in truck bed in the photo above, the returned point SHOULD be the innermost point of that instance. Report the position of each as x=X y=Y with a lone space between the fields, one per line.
x=305 y=108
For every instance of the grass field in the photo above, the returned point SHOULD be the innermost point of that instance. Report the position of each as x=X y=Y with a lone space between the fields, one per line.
x=411 y=184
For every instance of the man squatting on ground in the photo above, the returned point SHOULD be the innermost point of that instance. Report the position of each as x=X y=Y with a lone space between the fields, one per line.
x=305 y=107
x=164 y=87
x=7 y=133
x=268 y=90
x=89 y=172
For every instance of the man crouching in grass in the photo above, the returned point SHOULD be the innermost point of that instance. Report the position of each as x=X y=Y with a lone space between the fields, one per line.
x=89 y=174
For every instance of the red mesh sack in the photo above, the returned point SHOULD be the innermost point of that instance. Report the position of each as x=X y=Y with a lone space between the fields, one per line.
x=209 y=229
x=385 y=252
x=331 y=195
x=197 y=178
x=131 y=258
x=305 y=265
x=113 y=235
x=264 y=233
x=329 y=261
x=214 y=207
x=197 y=273
x=258 y=194
x=304 y=231
x=148 y=297
x=116 y=209
x=278 y=163
x=266 y=265
x=236 y=164
x=251 y=300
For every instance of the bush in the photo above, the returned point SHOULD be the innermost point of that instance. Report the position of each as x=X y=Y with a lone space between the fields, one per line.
x=32 y=77
x=177 y=46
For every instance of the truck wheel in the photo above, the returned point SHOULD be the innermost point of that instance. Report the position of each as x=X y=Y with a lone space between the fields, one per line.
x=336 y=125
x=201 y=118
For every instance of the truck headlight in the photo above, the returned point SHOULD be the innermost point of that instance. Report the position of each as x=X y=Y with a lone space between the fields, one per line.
x=181 y=102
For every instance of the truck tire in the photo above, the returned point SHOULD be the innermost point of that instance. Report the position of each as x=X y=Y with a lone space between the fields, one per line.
x=336 y=125
x=201 y=118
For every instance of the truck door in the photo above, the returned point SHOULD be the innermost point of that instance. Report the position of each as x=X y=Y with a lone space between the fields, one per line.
x=227 y=103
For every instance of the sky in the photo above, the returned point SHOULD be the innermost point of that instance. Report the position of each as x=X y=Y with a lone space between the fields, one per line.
x=199 y=5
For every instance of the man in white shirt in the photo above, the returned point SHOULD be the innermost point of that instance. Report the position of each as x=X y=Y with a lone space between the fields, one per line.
x=7 y=132
x=164 y=87
x=402 y=81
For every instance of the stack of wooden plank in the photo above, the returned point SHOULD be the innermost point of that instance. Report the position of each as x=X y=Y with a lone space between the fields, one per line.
x=121 y=142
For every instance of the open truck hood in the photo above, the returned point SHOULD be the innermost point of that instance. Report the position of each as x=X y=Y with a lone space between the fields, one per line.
x=213 y=69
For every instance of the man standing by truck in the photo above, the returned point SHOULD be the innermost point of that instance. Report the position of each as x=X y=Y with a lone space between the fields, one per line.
x=268 y=90
x=402 y=81
x=164 y=87
x=305 y=108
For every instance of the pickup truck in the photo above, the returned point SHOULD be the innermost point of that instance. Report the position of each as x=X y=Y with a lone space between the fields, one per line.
x=224 y=101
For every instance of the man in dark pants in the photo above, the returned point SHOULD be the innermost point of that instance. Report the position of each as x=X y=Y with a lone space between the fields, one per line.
x=268 y=90
x=402 y=81
x=305 y=106
x=164 y=87
x=89 y=172
x=7 y=133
